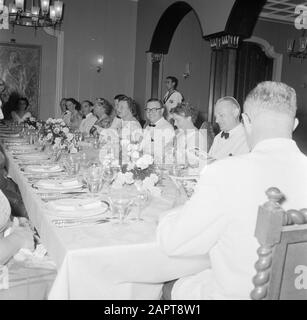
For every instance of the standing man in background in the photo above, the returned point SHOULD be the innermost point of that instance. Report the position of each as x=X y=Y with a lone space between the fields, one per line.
x=172 y=97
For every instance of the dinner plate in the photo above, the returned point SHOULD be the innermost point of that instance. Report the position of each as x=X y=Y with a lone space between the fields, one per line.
x=77 y=208
x=43 y=169
x=9 y=135
x=33 y=156
x=58 y=185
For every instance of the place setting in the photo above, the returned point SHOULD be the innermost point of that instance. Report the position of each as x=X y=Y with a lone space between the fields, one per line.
x=68 y=213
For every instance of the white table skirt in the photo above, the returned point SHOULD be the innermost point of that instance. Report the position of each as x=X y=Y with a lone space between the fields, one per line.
x=106 y=261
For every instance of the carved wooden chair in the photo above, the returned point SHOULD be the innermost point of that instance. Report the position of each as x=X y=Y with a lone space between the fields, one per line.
x=282 y=256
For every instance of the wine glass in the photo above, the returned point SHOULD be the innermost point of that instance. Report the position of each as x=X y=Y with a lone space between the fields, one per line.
x=121 y=203
x=109 y=174
x=141 y=200
x=72 y=165
x=94 y=179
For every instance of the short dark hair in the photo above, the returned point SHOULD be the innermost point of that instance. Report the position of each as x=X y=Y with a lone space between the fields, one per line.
x=119 y=97
x=174 y=80
x=23 y=99
x=75 y=102
x=155 y=100
x=184 y=109
x=89 y=102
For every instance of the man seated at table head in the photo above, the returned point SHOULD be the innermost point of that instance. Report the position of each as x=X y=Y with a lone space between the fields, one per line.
x=158 y=134
x=231 y=141
x=88 y=118
x=220 y=218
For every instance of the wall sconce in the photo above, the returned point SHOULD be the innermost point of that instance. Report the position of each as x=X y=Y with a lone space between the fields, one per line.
x=187 y=72
x=99 y=64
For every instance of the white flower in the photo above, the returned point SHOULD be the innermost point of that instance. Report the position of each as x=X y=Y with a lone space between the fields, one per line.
x=130 y=166
x=49 y=121
x=129 y=177
x=154 y=178
x=65 y=130
x=57 y=141
x=70 y=136
x=49 y=136
x=56 y=130
x=135 y=155
x=144 y=162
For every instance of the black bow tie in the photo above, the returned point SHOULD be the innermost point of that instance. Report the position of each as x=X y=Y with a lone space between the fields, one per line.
x=225 y=135
x=118 y=117
x=151 y=125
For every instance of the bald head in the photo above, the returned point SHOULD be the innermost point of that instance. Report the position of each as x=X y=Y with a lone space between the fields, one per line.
x=227 y=113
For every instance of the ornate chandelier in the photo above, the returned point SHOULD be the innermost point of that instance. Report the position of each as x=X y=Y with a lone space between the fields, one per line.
x=45 y=15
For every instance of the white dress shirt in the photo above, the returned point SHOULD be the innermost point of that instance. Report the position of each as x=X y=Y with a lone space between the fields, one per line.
x=171 y=100
x=87 y=123
x=236 y=144
x=220 y=218
x=158 y=141
x=116 y=123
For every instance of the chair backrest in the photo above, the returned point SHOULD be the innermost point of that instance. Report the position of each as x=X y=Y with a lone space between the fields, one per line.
x=282 y=256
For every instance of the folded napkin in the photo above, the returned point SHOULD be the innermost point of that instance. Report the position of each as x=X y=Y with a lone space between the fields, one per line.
x=59 y=184
x=73 y=204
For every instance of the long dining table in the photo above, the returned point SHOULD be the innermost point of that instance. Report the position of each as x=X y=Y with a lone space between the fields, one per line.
x=108 y=261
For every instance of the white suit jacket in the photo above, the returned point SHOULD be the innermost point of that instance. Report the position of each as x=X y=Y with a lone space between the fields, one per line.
x=220 y=218
x=235 y=145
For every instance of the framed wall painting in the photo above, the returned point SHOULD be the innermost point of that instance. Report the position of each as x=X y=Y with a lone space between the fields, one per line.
x=20 y=68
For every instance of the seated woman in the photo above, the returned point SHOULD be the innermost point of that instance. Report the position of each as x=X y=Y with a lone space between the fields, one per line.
x=189 y=141
x=104 y=112
x=21 y=237
x=63 y=107
x=73 y=117
x=21 y=113
x=130 y=126
x=11 y=190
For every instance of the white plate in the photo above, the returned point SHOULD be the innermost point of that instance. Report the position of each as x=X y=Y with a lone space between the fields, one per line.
x=57 y=185
x=76 y=208
x=43 y=169
x=33 y=156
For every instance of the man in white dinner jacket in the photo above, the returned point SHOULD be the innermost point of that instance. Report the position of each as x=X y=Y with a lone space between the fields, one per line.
x=232 y=140
x=88 y=118
x=159 y=134
x=220 y=218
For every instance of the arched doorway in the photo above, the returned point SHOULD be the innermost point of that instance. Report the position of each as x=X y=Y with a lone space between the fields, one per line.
x=161 y=41
x=240 y=24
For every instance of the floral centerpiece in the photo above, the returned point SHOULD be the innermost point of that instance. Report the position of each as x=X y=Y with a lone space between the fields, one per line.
x=33 y=124
x=136 y=168
x=57 y=133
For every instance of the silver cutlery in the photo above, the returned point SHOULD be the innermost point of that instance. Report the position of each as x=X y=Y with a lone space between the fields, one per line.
x=69 y=223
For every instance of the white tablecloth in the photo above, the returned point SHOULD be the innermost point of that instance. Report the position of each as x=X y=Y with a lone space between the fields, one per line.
x=106 y=261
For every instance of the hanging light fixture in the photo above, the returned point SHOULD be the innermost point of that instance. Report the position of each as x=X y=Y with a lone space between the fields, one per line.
x=45 y=15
